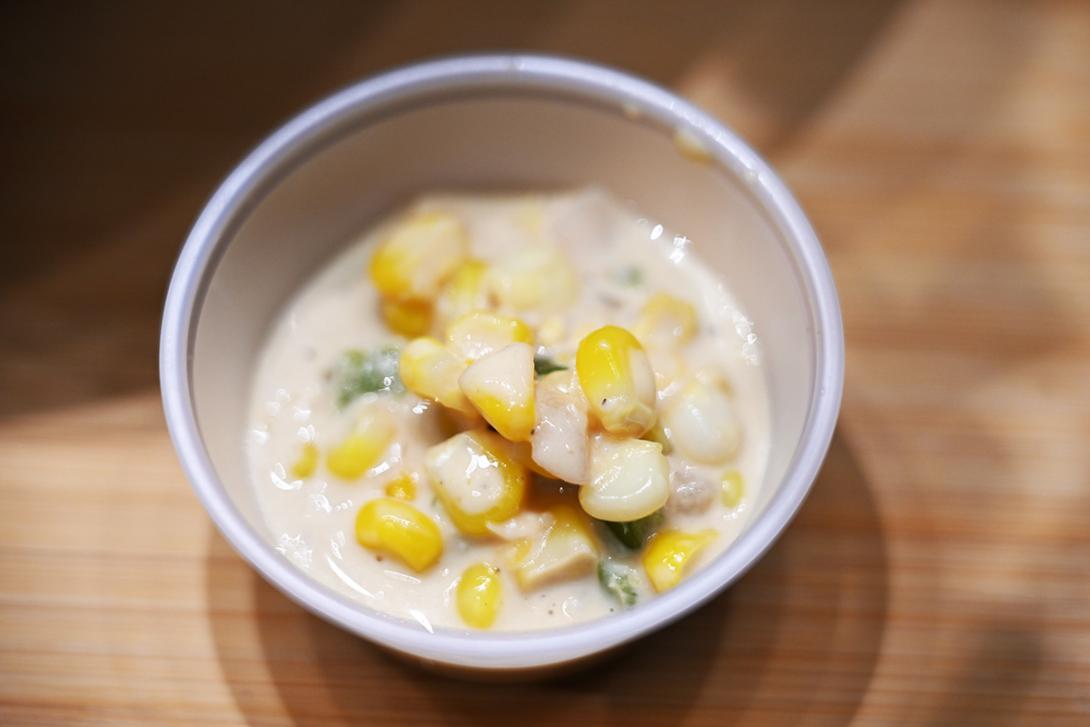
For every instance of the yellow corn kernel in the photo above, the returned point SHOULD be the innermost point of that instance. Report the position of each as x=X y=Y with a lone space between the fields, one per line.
x=396 y=527
x=734 y=488
x=501 y=386
x=477 y=480
x=665 y=319
x=464 y=292
x=430 y=370
x=479 y=333
x=566 y=549
x=702 y=423
x=617 y=379
x=537 y=276
x=402 y=488
x=478 y=595
x=628 y=479
x=308 y=462
x=407 y=317
x=418 y=256
x=361 y=450
x=669 y=553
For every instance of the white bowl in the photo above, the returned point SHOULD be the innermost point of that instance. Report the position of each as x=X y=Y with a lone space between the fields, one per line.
x=497 y=121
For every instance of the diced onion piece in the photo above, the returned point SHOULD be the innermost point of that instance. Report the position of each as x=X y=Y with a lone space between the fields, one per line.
x=565 y=550
x=418 y=256
x=396 y=527
x=559 y=442
x=617 y=379
x=702 y=423
x=480 y=333
x=501 y=387
x=629 y=479
x=430 y=370
x=670 y=553
x=477 y=480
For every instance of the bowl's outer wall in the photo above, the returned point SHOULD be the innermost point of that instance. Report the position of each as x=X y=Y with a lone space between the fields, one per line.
x=490 y=123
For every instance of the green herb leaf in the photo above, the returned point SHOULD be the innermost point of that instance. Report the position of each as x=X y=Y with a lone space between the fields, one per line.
x=545 y=365
x=361 y=372
x=619 y=581
x=635 y=533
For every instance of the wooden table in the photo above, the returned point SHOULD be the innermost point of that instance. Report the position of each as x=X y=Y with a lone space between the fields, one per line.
x=938 y=574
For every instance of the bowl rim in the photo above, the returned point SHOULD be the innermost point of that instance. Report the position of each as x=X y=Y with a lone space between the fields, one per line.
x=539 y=74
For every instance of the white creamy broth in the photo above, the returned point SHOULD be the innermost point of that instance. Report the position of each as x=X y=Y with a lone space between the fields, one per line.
x=617 y=261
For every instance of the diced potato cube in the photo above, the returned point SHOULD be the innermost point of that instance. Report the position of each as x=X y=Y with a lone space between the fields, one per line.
x=670 y=553
x=396 y=527
x=477 y=480
x=501 y=387
x=430 y=370
x=478 y=595
x=617 y=379
x=629 y=479
x=666 y=321
x=565 y=550
x=418 y=256
x=406 y=317
x=534 y=277
x=361 y=450
x=560 y=441
x=479 y=333
x=702 y=423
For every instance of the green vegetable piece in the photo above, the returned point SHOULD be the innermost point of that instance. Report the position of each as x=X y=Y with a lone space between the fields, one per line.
x=619 y=581
x=635 y=533
x=630 y=276
x=544 y=365
x=361 y=372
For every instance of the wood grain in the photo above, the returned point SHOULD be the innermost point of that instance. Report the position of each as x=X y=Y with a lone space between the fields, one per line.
x=939 y=573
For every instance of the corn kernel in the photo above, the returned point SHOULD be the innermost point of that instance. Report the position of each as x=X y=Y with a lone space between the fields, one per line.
x=501 y=386
x=308 y=462
x=566 y=549
x=478 y=595
x=538 y=276
x=480 y=333
x=617 y=379
x=734 y=488
x=669 y=553
x=629 y=479
x=430 y=370
x=464 y=292
x=396 y=527
x=407 y=317
x=402 y=488
x=702 y=423
x=477 y=480
x=361 y=450
x=666 y=320
x=418 y=256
